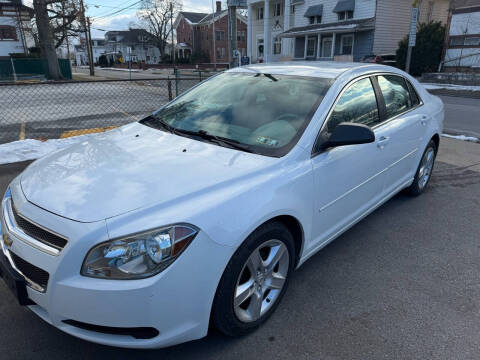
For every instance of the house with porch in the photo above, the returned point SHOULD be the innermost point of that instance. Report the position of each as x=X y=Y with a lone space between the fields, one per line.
x=341 y=30
x=15 y=28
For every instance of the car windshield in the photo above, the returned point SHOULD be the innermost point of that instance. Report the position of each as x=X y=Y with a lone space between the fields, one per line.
x=259 y=113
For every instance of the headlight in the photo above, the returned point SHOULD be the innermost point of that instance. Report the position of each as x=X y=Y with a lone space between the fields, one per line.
x=138 y=256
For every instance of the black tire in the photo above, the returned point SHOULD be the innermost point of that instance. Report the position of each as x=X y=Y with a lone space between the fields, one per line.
x=223 y=313
x=415 y=189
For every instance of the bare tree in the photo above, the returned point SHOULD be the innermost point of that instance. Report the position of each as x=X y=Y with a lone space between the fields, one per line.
x=155 y=16
x=45 y=35
x=64 y=15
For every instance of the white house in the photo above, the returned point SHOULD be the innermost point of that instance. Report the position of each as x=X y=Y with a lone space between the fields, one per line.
x=331 y=29
x=14 y=28
x=138 y=40
x=98 y=48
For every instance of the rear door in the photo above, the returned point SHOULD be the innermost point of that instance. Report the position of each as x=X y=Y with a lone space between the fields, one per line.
x=403 y=126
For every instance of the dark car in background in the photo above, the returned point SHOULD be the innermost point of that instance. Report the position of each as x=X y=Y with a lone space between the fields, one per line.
x=385 y=59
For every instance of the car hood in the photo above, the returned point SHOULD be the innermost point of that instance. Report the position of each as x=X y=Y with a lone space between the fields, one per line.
x=130 y=168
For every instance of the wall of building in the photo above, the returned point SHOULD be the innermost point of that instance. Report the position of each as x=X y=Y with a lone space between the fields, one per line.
x=10 y=46
x=393 y=21
x=184 y=32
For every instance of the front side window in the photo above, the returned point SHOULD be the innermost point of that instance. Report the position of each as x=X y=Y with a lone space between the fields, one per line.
x=265 y=113
x=358 y=104
x=8 y=33
x=277 y=45
x=395 y=93
x=220 y=35
x=278 y=9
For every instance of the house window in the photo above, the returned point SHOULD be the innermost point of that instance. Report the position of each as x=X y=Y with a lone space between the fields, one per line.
x=241 y=35
x=312 y=46
x=260 y=13
x=8 y=33
x=472 y=41
x=319 y=19
x=311 y=20
x=277 y=45
x=315 y=20
x=346 y=45
x=345 y=15
x=220 y=53
x=220 y=35
x=293 y=9
x=277 y=9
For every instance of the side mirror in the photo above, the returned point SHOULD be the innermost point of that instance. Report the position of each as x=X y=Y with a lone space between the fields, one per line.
x=349 y=134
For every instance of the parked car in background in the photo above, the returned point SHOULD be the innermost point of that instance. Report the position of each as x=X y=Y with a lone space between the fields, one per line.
x=198 y=214
x=385 y=59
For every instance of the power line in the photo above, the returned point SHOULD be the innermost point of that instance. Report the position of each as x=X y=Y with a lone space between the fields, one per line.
x=118 y=11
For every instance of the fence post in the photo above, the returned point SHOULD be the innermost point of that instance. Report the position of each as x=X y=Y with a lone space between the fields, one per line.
x=200 y=75
x=176 y=82
x=170 y=95
x=13 y=68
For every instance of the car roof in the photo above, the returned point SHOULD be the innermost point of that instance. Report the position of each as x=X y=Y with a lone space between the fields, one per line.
x=321 y=69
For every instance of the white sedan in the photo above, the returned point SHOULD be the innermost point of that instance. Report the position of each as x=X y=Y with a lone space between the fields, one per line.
x=198 y=214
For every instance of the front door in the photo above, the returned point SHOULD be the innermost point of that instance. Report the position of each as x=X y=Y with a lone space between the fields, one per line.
x=312 y=47
x=327 y=47
x=349 y=180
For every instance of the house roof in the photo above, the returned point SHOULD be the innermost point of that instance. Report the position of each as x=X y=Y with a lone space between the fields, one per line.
x=353 y=25
x=207 y=19
x=193 y=17
x=130 y=36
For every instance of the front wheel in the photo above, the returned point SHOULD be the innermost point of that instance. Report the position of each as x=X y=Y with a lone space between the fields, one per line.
x=254 y=281
x=424 y=171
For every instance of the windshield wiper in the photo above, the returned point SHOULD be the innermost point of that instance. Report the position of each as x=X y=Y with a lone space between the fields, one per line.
x=234 y=144
x=157 y=121
x=271 y=77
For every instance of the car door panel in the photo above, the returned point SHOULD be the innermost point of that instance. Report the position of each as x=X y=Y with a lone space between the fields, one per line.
x=349 y=180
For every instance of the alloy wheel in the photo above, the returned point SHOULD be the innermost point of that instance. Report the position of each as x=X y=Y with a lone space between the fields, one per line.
x=261 y=280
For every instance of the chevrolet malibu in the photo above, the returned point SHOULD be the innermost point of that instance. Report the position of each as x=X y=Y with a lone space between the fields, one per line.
x=198 y=214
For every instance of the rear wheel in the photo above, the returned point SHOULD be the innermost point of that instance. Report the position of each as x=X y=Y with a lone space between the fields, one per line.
x=254 y=281
x=424 y=171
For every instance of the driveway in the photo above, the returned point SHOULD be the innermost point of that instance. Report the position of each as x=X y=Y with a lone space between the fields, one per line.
x=404 y=283
x=461 y=116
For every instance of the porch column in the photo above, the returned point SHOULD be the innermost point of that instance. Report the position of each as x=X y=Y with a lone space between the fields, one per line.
x=266 y=31
x=333 y=44
x=306 y=46
x=319 y=46
x=286 y=27
x=249 y=32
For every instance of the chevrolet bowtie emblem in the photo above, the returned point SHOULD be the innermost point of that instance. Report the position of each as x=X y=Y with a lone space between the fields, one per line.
x=7 y=241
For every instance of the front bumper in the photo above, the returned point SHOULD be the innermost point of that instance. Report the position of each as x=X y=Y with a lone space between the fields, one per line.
x=176 y=303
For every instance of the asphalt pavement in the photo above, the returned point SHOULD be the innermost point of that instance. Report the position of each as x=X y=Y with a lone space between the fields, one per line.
x=462 y=116
x=404 y=283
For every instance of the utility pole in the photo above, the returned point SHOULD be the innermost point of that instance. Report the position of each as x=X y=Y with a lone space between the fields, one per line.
x=214 y=37
x=173 y=36
x=89 y=47
x=413 y=35
x=88 y=40
x=232 y=21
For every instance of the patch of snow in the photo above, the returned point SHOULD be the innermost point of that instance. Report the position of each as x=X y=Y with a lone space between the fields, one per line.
x=433 y=86
x=30 y=149
x=462 y=137
x=119 y=69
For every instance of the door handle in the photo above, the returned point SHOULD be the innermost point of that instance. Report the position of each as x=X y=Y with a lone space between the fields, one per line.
x=424 y=120
x=382 y=142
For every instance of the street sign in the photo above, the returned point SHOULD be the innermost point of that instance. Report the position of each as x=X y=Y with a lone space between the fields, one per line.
x=412 y=39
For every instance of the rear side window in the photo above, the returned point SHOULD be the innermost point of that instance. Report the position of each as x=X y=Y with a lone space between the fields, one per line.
x=358 y=104
x=413 y=94
x=396 y=94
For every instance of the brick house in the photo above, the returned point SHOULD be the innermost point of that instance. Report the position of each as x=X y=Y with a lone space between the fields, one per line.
x=195 y=35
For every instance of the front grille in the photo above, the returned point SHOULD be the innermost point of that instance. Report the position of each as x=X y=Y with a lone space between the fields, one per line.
x=37 y=232
x=35 y=274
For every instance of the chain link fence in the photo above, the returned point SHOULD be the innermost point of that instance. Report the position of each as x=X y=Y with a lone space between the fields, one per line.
x=56 y=110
